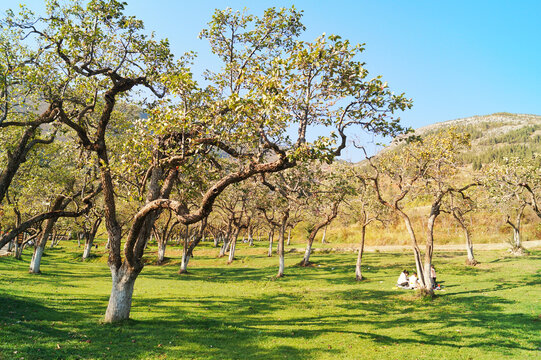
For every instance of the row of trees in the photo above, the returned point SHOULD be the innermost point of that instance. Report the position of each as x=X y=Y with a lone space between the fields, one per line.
x=140 y=132
x=103 y=125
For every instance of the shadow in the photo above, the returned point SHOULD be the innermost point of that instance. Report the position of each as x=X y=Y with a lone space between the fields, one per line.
x=243 y=312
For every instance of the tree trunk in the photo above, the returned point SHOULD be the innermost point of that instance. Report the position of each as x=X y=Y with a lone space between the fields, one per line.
x=18 y=251
x=469 y=244
x=271 y=239
x=224 y=247
x=334 y=212
x=91 y=237
x=517 y=243
x=88 y=247
x=35 y=263
x=469 y=248
x=415 y=247
x=306 y=259
x=189 y=253
x=289 y=237
x=120 y=300
x=39 y=247
x=250 y=239
x=516 y=233
x=53 y=239
x=358 y=274
x=429 y=282
x=233 y=247
x=184 y=263
x=516 y=238
x=281 y=256
x=324 y=234
x=162 y=245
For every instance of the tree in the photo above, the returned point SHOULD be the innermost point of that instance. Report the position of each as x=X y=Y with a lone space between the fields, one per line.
x=26 y=104
x=270 y=81
x=289 y=191
x=514 y=186
x=458 y=204
x=422 y=167
x=330 y=191
x=364 y=209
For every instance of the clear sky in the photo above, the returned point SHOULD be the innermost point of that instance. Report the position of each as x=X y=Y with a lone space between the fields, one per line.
x=454 y=58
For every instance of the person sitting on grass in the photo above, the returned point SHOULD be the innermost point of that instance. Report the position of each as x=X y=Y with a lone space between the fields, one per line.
x=413 y=281
x=403 y=279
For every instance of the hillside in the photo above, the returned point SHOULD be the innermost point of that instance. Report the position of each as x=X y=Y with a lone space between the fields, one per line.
x=494 y=137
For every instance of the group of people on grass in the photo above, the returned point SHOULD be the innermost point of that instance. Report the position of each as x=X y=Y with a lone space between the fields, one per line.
x=405 y=281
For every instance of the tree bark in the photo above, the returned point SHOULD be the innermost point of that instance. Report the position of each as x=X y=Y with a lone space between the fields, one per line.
x=358 y=273
x=162 y=245
x=429 y=282
x=120 y=300
x=185 y=255
x=88 y=247
x=189 y=253
x=39 y=247
x=469 y=243
x=250 y=237
x=232 y=248
x=415 y=246
x=90 y=238
x=281 y=241
x=324 y=234
x=271 y=239
x=517 y=243
x=224 y=247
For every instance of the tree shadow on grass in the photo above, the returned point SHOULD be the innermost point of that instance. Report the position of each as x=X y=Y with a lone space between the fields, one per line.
x=454 y=321
x=34 y=331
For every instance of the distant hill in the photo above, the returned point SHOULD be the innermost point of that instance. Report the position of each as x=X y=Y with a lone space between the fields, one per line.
x=495 y=136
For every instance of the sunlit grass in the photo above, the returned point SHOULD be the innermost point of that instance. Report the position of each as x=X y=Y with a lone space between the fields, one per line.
x=241 y=311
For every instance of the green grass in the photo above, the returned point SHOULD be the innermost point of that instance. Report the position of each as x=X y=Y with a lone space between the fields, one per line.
x=241 y=311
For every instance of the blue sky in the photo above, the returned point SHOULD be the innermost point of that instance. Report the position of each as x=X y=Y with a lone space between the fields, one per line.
x=454 y=58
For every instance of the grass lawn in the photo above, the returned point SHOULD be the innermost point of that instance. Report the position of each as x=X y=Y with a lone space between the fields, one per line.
x=241 y=311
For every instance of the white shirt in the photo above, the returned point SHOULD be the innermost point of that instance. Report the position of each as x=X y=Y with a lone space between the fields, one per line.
x=413 y=281
x=402 y=278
